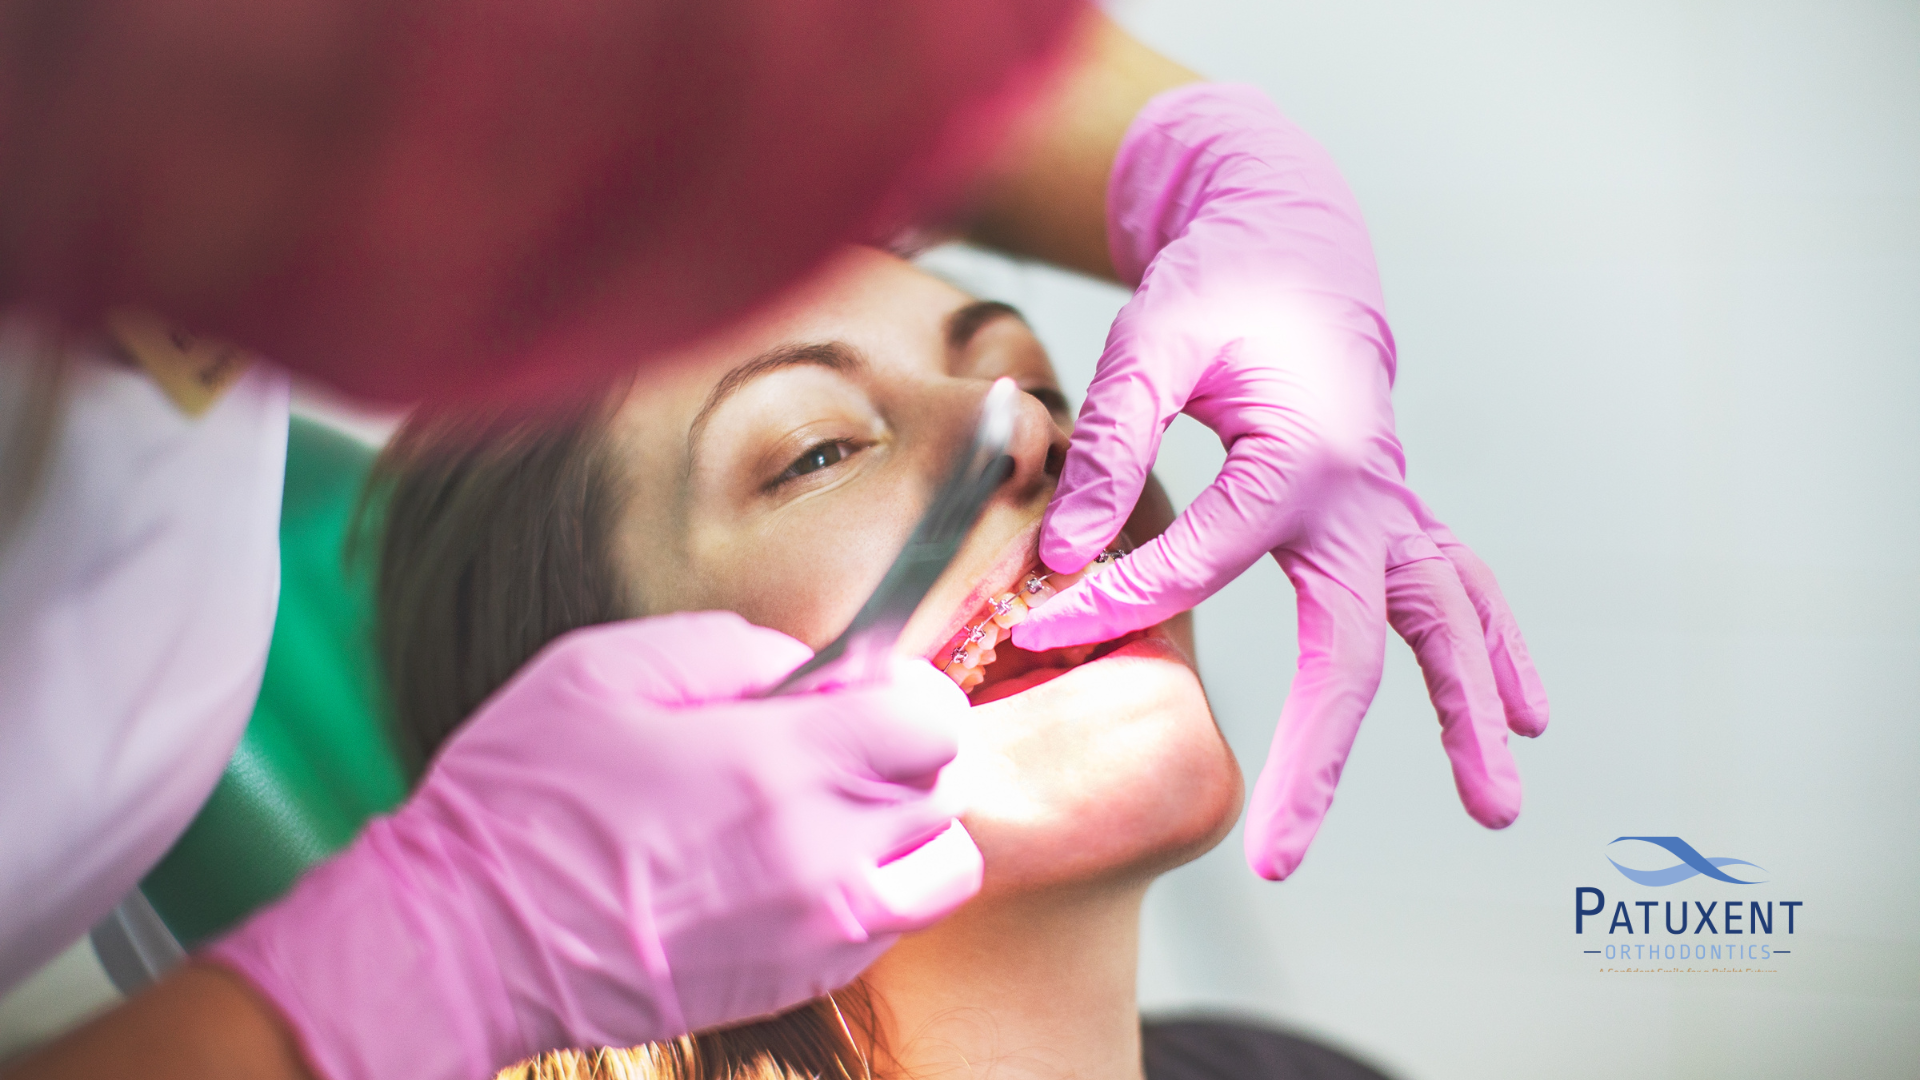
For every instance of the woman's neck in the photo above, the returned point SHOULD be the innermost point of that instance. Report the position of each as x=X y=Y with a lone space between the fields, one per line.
x=1030 y=988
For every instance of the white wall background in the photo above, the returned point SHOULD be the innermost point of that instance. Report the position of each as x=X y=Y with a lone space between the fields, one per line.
x=1655 y=273
x=1654 y=269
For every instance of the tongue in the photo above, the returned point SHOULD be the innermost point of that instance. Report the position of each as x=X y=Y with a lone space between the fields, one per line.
x=995 y=690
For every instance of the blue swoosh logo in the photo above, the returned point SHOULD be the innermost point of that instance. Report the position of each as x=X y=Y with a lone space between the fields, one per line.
x=1691 y=864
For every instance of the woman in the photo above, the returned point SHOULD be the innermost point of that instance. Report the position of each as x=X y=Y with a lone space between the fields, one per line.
x=1205 y=198
x=773 y=473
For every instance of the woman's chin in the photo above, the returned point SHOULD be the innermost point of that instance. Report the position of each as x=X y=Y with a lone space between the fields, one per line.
x=1105 y=770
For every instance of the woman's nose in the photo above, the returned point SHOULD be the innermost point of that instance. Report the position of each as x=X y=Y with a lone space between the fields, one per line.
x=1038 y=449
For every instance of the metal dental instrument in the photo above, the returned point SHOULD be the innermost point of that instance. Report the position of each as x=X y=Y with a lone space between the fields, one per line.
x=862 y=649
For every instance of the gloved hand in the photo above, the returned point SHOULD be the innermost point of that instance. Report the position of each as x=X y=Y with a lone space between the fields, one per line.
x=1258 y=312
x=617 y=849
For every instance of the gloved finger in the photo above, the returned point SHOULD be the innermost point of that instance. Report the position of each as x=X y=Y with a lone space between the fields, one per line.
x=920 y=887
x=690 y=658
x=1428 y=607
x=1116 y=438
x=1225 y=530
x=1342 y=647
x=1521 y=690
x=901 y=731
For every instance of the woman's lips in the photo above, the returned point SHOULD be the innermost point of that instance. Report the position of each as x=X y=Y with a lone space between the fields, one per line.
x=932 y=636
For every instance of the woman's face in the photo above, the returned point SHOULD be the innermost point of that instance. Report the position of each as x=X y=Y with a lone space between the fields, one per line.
x=776 y=472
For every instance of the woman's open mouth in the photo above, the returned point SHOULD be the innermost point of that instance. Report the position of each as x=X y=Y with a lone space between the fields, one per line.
x=983 y=660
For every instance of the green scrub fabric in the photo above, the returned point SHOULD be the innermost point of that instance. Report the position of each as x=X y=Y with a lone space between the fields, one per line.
x=317 y=760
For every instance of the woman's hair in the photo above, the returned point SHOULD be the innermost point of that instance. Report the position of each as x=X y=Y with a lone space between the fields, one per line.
x=495 y=536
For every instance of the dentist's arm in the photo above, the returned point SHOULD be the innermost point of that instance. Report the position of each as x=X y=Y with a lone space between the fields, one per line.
x=1045 y=194
x=1257 y=311
x=199 y=1023
x=623 y=845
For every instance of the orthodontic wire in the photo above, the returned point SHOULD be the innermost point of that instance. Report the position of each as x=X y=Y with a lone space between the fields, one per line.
x=1031 y=586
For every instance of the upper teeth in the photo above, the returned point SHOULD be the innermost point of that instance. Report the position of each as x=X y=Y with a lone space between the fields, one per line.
x=973 y=647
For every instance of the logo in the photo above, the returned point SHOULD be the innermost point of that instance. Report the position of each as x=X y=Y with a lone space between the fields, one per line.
x=1729 y=932
x=1691 y=864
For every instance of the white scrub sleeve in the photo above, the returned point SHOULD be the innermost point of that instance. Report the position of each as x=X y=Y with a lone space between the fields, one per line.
x=136 y=604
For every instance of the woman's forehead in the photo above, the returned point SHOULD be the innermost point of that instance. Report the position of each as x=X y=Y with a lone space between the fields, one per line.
x=866 y=298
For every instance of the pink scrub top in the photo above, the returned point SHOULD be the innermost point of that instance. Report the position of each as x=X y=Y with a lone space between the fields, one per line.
x=440 y=196
x=137 y=600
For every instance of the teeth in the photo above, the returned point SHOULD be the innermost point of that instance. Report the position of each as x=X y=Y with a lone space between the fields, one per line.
x=979 y=642
x=972 y=649
x=966 y=677
x=1038 y=589
x=1008 y=610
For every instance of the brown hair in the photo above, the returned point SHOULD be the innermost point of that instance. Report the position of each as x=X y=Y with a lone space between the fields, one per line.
x=829 y=1038
x=495 y=536
x=495 y=531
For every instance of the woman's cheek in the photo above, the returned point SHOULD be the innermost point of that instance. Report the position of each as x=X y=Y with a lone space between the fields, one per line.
x=804 y=573
x=1113 y=769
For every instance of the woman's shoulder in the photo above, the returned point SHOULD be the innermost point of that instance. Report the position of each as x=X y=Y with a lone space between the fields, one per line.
x=1218 y=1049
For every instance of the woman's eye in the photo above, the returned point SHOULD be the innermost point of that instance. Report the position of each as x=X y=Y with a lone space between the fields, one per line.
x=821 y=456
x=1054 y=400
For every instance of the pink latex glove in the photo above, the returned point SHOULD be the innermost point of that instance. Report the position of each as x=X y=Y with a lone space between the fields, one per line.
x=617 y=849
x=1258 y=312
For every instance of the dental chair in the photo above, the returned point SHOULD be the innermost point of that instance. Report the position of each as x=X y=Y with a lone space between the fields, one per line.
x=316 y=761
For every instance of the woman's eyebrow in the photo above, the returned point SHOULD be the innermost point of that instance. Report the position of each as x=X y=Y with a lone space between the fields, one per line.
x=837 y=355
x=967 y=321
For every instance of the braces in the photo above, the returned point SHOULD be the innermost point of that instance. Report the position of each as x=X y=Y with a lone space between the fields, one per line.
x=1032 y=586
